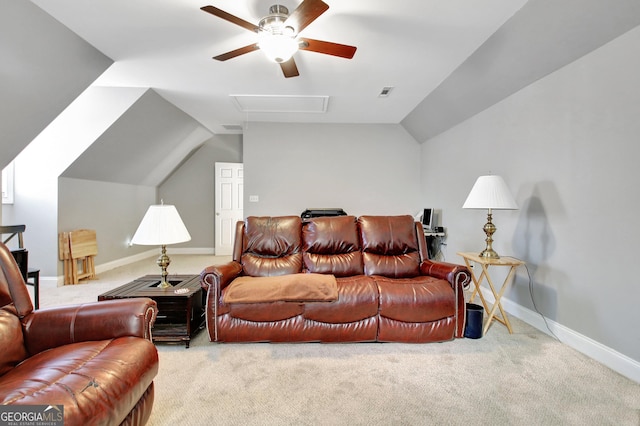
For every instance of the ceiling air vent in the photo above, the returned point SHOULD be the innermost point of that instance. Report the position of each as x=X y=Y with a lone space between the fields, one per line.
x=385 y=91
x=232 y=127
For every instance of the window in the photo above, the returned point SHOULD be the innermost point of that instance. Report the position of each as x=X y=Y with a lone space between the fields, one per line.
x=7 y=184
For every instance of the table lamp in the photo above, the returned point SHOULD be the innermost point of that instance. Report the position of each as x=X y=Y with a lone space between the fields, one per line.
x=491 y=193
x=161 y=225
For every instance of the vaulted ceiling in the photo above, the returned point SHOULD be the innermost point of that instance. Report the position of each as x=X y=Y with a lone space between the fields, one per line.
x=444 y=60
x=168 y=45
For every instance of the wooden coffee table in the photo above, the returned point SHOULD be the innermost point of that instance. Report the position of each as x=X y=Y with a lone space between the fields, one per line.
x=180 y=314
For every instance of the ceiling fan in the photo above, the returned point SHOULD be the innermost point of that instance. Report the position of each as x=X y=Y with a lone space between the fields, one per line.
x=278 y=35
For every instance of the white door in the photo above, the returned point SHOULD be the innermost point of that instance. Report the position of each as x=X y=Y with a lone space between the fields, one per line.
x=229 y=208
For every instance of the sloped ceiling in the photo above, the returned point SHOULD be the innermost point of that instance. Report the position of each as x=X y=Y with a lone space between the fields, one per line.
x=446 y=60
x=145 y=139
x=412 y=45
x=44 y=67
x=540 y=38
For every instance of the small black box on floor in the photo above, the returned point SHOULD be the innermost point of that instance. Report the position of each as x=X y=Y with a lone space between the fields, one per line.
x=473 y=326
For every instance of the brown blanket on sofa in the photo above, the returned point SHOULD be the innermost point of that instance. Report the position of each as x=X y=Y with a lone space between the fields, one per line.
x=287 y=288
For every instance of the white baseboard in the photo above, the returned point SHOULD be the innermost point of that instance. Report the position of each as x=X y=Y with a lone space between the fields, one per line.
x=616 y=361
x=103 y=267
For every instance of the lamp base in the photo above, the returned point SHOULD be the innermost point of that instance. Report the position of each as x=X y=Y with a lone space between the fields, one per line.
x=164 y=261
x=489 y=228
x=165 y=284
x=489 y=254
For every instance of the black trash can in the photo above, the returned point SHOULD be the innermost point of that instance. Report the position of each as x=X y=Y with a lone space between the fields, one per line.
x=473 y=327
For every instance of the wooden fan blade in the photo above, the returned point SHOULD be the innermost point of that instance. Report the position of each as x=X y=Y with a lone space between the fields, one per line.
x=306 y=13
x=289 y=68
x=231 y=18
x=327 y=47
x=237 y=52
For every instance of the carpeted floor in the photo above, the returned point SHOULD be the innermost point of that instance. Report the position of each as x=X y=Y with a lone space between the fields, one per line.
x=500 y=379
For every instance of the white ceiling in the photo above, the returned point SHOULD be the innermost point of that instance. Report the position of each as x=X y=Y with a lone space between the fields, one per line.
x=411 y=45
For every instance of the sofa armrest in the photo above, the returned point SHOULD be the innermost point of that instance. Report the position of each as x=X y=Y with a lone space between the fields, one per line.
x=58 y=326
x=212 y=280
x=220 y=275
x=459 y=278
x=455 y=274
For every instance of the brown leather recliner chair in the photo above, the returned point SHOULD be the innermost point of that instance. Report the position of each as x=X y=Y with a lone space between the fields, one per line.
x=95 y=359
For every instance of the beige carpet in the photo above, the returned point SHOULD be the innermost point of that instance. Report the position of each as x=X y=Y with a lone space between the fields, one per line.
x=526 y=378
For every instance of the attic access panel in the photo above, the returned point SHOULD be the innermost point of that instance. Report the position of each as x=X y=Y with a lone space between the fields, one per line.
x=281 y=103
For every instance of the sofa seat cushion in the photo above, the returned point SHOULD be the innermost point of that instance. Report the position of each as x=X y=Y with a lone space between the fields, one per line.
x=420 y=299
x=357 y=300
x=285 y=288
x=98 y=382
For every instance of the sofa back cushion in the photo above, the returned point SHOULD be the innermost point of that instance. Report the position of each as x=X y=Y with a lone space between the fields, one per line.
x=331 y=245
x=12 y=347
x=272 y=246
x=389 y=246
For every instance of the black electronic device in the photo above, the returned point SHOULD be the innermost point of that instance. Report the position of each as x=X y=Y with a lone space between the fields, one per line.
x=309 y=213
x=427 y=219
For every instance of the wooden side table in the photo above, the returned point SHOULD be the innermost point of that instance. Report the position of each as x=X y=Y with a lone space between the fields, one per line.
x=510 y=262
x=180 y=308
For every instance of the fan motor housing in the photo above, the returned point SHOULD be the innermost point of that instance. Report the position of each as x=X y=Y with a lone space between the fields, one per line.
x=274 y=22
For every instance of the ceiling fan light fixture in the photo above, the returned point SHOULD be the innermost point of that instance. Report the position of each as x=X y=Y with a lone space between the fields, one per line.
x=277 y=47
x=277 y=35
x=275 y=39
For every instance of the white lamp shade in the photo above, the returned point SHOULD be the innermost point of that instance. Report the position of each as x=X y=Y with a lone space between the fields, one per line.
x=161 y=225
x=490 y=192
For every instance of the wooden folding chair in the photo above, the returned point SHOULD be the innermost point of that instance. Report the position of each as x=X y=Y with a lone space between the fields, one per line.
x=77 y=249
x=83 y=248
x=65 y=255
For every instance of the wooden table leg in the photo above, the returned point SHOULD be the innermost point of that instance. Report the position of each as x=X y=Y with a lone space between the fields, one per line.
x=497 y=296
x=476 y=283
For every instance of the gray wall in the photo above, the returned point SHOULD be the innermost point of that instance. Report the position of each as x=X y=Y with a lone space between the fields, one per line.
x=191 y=188
x=113 y=210
x=364 y=169
x=567 y=146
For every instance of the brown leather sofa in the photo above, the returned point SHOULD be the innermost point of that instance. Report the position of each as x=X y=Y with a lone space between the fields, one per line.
x=95 y=359
x=388 y=290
